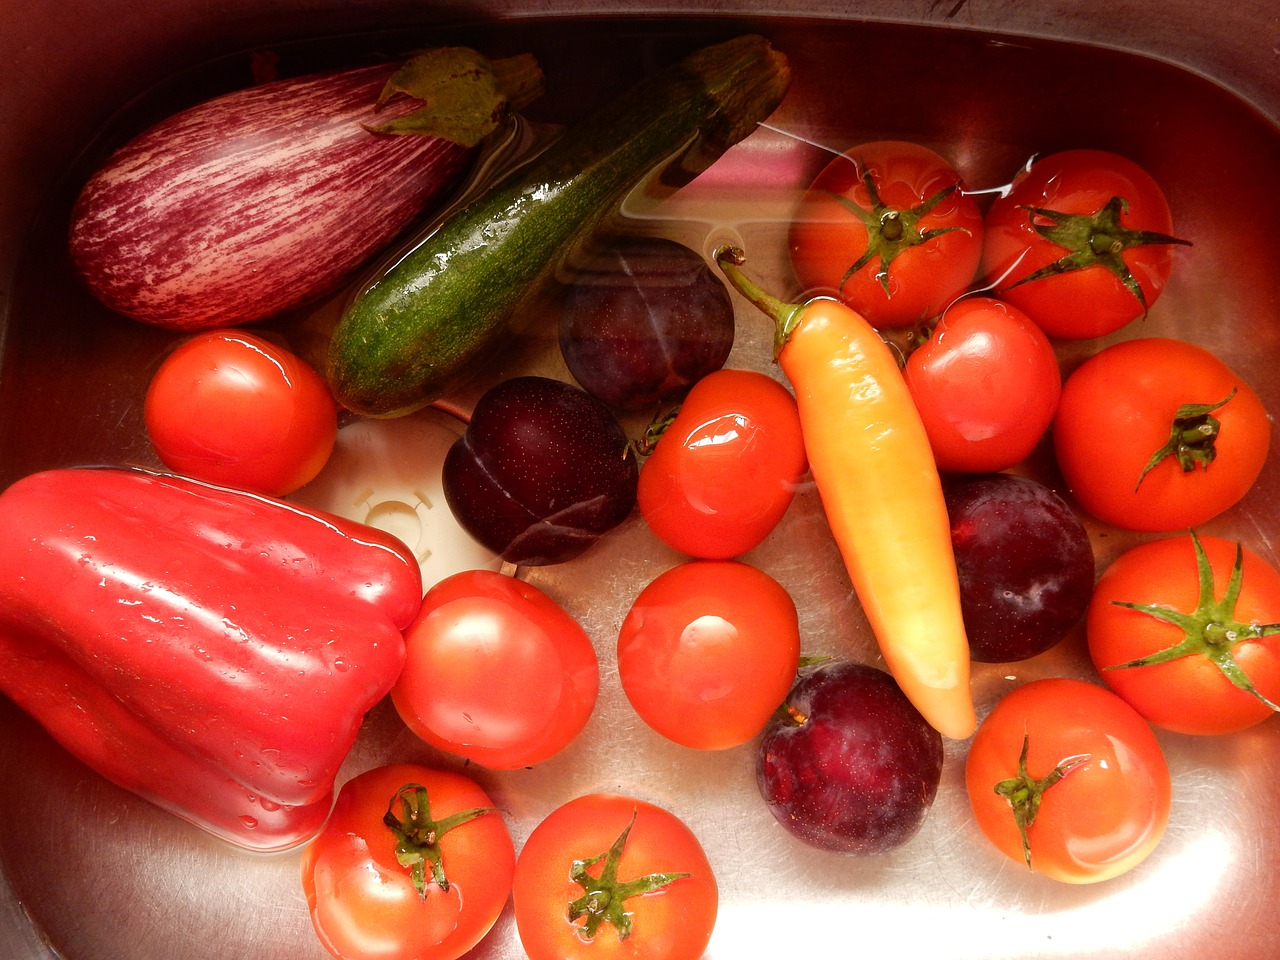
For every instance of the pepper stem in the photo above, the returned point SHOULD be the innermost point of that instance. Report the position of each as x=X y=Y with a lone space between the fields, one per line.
x=604 y=896
x=1211 y=630
x=418 y=834
x=785 y=316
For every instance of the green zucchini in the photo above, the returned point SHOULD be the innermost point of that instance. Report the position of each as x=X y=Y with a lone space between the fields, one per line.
x=423 y=326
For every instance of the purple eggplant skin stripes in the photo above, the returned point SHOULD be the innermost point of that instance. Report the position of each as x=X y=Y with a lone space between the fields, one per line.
x=256 y=202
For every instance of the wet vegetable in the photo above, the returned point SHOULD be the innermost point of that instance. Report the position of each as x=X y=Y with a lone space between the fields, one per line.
x=265 y=198
x=871 y=459
x=210 y=650
x=414 y=864
x=423 y=325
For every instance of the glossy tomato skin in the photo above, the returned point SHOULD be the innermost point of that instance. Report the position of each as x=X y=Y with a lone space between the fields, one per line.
x=671 y=923
x=363 y=903
x=726 y=469
x=1117 y=410
x=708 y=651
x=1106 y=814
x=827 y=238
x=1082 y=303
x=986 y=383
x=496 y=671
x=1189 y=694
x=231 y=408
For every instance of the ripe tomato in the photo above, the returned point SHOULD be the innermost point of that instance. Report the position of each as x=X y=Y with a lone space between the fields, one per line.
x=495 y=671
x=986 y=383
x=414 y=864
x=1157 y=434
x=1066 y=777
x=1187 y=630
x=233 y=409
x=1081 y=243
x=726 y=468
x=607 y=876
x=888 y=228
x=708 y=651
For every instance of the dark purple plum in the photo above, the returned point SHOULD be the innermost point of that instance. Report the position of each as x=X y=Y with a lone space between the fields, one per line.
x=541 y=472
x=643 y=320
x=1025 y=563
x=849 y=765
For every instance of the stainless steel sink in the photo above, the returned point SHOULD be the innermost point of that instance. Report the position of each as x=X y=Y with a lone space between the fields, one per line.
x=90 y=873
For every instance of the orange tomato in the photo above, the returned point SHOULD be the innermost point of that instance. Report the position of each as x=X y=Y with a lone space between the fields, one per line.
x=370 y=900
x=607 y=877
x=1158 y=434
x=1185 y=629
x=496 y=671
x=231 y=408
x=1064 y=776
x=889 y=228
x=726 y=468
x=708 y=651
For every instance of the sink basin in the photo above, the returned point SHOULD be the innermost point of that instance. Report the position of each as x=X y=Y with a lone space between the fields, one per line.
x=88 y=872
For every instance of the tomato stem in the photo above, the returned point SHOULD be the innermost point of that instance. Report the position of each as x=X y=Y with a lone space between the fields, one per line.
x=418 y=834
x=1024 y=793
x=1211 y=630
x=644 y=446
x=1192 y=437
x=890 y=231
x=604 y=896
x=1093 y=240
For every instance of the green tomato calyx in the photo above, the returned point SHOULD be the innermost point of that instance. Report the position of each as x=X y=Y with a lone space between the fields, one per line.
x=1024 y=792
x=1094 y=240
x=418 y=834
x=1192 y=439
x=604 y=896
x=890 y=231
x=1211 y=630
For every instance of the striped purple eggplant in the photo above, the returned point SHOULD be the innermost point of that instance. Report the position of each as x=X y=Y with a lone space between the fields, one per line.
x=266 y=198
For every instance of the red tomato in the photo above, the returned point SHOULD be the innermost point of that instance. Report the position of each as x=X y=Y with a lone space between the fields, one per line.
x=496 y=671
x=230 y=408
x=429 y=889
x=708 y=651
x=888 y=228
x=1081 y=243
x=1186 y=630
x=1157 y=434
x=1080 y=769
x=725 y=470
x=986 y=383
x=607 y=876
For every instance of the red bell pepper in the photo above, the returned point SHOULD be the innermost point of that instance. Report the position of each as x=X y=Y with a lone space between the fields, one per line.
x=210 y=650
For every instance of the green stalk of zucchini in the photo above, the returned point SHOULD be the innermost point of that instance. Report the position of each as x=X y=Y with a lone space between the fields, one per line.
x=424 y=325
